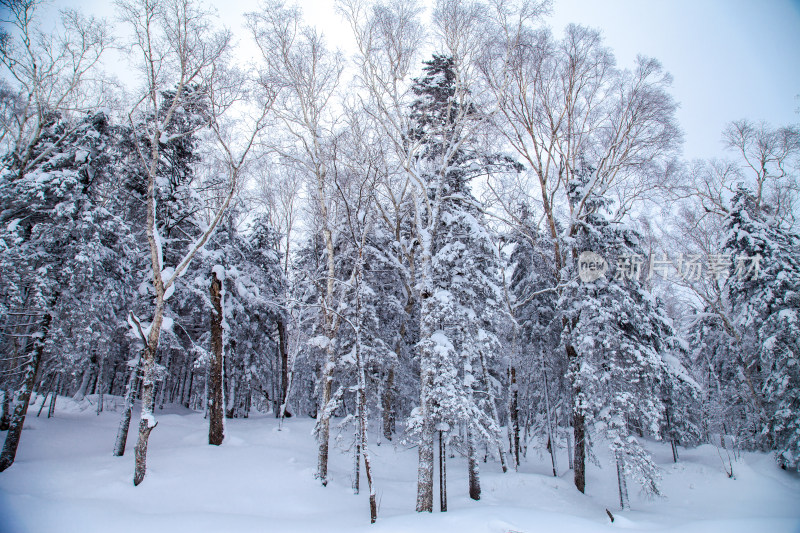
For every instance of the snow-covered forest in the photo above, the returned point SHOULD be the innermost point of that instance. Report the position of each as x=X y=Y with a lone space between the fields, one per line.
x=470 y=249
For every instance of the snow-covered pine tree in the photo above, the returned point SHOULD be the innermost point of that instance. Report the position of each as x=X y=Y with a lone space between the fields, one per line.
x=537 y=364
x=621 y=336
x=764 y=291
x=63 y=253
x=462 y=304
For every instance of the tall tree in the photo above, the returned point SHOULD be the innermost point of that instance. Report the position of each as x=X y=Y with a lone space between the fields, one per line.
x=63 y=251
x=297 y=58
x=763 y=289
x=561 y=103
x=180 y=48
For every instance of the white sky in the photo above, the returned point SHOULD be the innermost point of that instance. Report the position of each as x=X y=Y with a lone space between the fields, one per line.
x=730 y=59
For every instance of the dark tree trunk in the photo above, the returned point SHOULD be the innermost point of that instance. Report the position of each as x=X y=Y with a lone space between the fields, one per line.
x=127 y=408
x=442 y=473
x=52 y=409
x=621 y=483
x=44 y=401
x=187 y=398
x=23 y=397
x=5 y=418
x=670 y=432
x=98 y=387
x=388 y=410
x=579 y=428
x=283 y=352
x=579 y=462
x=472 y=466
x=216 y=428
x=514 y=416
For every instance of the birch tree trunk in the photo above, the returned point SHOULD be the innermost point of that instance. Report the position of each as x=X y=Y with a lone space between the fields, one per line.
x=147 y=421
x=362 y=393
x=425 y=450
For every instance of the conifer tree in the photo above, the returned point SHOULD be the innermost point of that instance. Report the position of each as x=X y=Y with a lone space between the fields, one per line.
x=763 y=289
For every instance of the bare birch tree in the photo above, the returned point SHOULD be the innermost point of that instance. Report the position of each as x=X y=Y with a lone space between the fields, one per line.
x=564 y=107
x=178 y=46
x=308 y=73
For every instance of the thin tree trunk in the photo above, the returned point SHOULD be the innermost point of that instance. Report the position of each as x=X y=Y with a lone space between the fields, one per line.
x=125 y=421
x=187 y=393
x=514 y=416
x=493 y=408
x=579 y=461
x=23 y=397
x=623 y=487
x=442 y=473
x=283 y=352
x=146 y=423
x=579 y=428
x=550 y=427
x=425 y=470
x=472 y=466
x=323 y=417
x=52 y=409
x=216 y=427
x=357 y=457
x=98 y=388
x=362 y=397
x=388 y=410
x=164 y=383
x=5 y=418
x=178 y=398
x=44 y=401
x=230 y=398
x=569 y=448
x=326 y=374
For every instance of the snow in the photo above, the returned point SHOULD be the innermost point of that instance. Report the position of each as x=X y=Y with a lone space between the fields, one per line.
x=166 y=275
x=219 y=271
x=261 y=479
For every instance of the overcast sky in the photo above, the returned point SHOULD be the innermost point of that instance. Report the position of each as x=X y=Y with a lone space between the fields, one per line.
x=729 y=59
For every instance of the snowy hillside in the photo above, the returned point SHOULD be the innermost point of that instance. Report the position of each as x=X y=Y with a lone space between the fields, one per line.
x=262 y=479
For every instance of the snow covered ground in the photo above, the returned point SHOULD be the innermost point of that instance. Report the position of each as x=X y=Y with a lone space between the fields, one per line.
x=262 y=480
